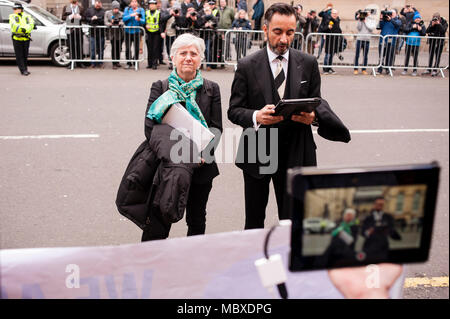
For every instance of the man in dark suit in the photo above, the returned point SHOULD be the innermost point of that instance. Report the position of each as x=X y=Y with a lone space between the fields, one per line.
x=377 y=228
x=261 y=79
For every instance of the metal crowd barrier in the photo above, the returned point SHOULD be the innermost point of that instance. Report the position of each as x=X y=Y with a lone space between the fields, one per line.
x=383 y=52
x=344 y=50
x=99 y=44
x=240 y=43
x=416 y=53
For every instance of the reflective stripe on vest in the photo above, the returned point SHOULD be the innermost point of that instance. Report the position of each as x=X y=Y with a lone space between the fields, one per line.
x=215 y=12
x=152 y=21
x=18 y=22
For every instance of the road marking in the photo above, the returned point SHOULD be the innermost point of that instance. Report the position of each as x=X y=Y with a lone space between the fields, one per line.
x=426 y=282
x=25 y=137
x=424 y=130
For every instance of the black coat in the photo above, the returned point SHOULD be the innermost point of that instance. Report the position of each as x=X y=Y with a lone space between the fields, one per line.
x=209 y=101
x=253 y=88
x=137 y=193
x=376 y=245
x=153 y=182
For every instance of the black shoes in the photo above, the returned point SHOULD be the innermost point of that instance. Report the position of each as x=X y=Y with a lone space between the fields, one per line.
x=26 y=73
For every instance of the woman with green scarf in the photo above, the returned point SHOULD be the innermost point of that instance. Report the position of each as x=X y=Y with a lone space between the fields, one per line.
x=201 y=98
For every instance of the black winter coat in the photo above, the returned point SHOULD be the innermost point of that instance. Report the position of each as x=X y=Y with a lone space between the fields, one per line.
x=153 y=181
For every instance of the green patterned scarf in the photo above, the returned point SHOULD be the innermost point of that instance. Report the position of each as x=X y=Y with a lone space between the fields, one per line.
x=179 y=91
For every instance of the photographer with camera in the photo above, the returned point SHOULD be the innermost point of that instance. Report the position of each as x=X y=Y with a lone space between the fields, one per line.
x=208 y=34
x=365 y=29
x=311 y=26
x=133 y=16
x=95 y=16
x=169 y=25
x=113 y=20
x=437 y=28
x=389 y=24
x=415 y=28
x=192 y=20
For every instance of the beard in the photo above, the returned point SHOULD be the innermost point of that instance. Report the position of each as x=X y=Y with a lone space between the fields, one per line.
x=279 y=49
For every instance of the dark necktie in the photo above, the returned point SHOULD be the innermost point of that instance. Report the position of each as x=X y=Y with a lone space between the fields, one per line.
x=280 y=77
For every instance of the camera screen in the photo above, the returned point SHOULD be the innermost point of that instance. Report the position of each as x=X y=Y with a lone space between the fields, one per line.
x=362 y=222
x=360 y=216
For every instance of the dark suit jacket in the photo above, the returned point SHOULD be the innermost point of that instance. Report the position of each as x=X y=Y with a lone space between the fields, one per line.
x=208 y=99
x=253 y=88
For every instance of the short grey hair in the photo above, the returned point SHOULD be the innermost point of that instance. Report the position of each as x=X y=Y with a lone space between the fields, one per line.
x=185 y=40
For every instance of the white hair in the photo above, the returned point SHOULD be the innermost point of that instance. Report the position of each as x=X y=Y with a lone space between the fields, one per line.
x=185 y=40
x=349 y=211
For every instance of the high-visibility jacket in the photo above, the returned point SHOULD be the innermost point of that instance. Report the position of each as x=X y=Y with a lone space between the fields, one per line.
x=21 y=26
x=152 y=20
x=215 y=12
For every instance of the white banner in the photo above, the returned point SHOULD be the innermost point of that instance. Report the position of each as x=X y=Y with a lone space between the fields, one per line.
x=209 y=266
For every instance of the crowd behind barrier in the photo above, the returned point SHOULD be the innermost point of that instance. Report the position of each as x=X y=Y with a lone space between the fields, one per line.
x=404 y=41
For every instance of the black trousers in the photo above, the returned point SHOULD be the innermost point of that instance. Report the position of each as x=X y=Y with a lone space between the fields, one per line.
x=195 y=215
x=414 y=51
x=153 y=42
x=75 y=43
x=21 y=51
x=257 y=195
x=132 y=38
x=116 y=48
x=435 y=50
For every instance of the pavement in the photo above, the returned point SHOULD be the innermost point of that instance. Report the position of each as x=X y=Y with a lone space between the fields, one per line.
x=67 y=136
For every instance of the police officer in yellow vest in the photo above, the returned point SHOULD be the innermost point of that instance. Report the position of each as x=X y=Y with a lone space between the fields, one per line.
x=153 y=33
x=21 y=26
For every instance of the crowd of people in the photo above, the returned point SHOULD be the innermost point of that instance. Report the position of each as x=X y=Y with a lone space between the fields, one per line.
x=164 y=20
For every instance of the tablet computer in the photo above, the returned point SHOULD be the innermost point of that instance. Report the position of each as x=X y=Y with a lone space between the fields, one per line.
x=288 y=107
x=359 y=216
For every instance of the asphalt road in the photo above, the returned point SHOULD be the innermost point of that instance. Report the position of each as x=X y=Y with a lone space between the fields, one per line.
x=61 y=191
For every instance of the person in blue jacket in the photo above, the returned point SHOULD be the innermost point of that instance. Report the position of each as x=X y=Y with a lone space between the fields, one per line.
x=258 y=13
x=414 y=28
x=390 y=25
x=133 y=16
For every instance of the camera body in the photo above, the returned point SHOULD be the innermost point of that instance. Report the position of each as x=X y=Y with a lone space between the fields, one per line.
x=193 y=14
x=386 y=14
x=420 y=23
x=115 y=20
x=176 y=11
x=361 y=14
x=435 y=19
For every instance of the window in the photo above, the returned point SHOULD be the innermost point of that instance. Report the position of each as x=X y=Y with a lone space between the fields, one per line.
x=5 y=11
x=400 y=201
x=416 y=201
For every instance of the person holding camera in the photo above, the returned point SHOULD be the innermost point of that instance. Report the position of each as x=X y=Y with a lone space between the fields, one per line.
x=133 y=17
x=389 y=24
x=168 y=26
x=113 y=20
x=153 y=34
x=416 y=29
x=208 y=34
x=365 y=29
x=95 y=16
x=437 y=28
x=192 y=20
x=332 y=41
x=311 y=26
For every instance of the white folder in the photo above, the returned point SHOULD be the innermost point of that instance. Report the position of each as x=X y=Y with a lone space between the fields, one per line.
x=179 y=118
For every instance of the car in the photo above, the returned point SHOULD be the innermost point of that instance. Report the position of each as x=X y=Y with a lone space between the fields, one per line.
x=45 y=37
x=315 y=225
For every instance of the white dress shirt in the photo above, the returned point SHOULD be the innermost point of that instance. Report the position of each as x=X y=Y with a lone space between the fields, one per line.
x=273 y=61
